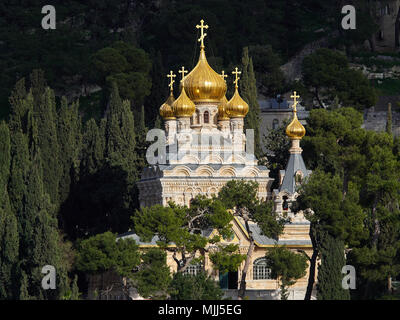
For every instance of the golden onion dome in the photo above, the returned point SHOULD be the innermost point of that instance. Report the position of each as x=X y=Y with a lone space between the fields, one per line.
x=222 y=115
x=203 y=84
x=183 y=106
x=237 y=107
x=166 y=108
x=295 y=129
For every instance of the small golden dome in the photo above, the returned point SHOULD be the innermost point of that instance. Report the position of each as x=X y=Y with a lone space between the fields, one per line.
x=166 y=109
x=203 y=84
x=222 y=109
x=237 y=107
x=295 y=129
x=183 y=106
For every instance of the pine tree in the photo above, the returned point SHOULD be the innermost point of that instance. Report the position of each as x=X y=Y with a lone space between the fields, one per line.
x=8 y=221
x=329 y=286
x=248 y=87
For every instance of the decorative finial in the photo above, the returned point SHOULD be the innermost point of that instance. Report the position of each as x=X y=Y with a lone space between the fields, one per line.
x=295 y=102
x=183 y=71
x=236 y=73
x=171 y=82
x=223 y=75
x=202 y=26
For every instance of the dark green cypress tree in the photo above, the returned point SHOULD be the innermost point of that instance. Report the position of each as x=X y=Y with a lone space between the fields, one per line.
x=39 y=238
x=45 y=116
x=69 y=139
x=19 y=108
x=141 y=144
x=8 y=222
x=329 y=286
x=248 y=90
x=120 y=135
x=92 y=148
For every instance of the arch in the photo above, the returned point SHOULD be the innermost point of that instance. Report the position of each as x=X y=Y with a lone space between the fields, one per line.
x=204 y=171
x=182 y=171
x=227 y=172
x=190 y=159
x=206 y=117
x=261 y=270
x=275 y=124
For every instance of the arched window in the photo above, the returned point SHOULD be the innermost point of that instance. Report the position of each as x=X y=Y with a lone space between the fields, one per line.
x=197 y=117
x=206 y=117
x=194 y=269
x=285 y=204
x=275 y=124
x=261 y=270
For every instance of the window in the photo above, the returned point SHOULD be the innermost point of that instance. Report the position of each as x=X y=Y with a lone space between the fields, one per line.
x=194 y=269
x=261 y=270
x=206 y=117
x=275 y=124
x=285 y=205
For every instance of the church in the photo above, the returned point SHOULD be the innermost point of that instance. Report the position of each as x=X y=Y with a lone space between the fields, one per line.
x=206 y=147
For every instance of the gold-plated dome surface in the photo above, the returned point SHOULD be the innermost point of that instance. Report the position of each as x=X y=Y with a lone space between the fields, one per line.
x=166 y=108
x=203 y=84
x=295 y=129
x=183 y=106
x=222 y=115
x=237 y=107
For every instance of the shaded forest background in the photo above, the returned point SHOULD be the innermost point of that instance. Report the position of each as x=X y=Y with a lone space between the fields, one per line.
x=77 y=102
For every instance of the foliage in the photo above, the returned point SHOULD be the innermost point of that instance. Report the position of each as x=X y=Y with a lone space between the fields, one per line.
x=326 y=74
x=103 y=252
x=153 y=278
x=127 y=66
x=195 y=287
x=184 y=227
x=227 y=258
x=287 y=266
x=329 y=286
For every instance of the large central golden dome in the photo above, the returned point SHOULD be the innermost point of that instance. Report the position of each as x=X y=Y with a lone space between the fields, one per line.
x=203 y=84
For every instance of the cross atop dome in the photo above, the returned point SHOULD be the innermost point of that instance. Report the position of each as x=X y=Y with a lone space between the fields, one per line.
x=295 y=102
x=236 y=73
x=223 y=75
x=183 y=71
x=171 y=75
x=202 y=26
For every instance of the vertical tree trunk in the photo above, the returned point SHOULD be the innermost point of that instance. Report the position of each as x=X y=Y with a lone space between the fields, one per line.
x=377 y=229
x=242 y=288
x=313 y=264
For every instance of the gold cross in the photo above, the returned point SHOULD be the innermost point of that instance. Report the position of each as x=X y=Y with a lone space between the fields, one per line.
x=171 y=82
x=183 y=71
x=295 y=102
x=236 y=73
x=202 y=26
x=223 y=75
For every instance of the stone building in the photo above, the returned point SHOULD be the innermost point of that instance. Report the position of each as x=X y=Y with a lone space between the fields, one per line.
x=273 y=113
x=388 y=18
x=205 y=148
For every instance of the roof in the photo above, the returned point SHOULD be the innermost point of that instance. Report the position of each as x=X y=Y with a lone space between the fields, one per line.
x=153 y=241
x=295 y=163
x=261 y=239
